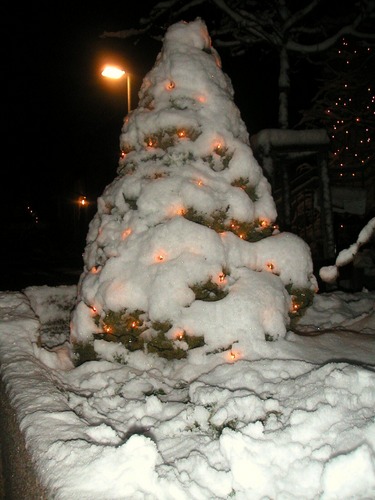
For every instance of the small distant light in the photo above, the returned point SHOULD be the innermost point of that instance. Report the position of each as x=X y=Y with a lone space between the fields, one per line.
x=82 y=200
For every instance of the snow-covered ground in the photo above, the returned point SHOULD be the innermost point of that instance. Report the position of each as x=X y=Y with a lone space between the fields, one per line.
x=295 y=420
x=240 y=417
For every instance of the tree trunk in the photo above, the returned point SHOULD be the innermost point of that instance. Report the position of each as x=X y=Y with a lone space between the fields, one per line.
x=284 y=87
x=326 y=210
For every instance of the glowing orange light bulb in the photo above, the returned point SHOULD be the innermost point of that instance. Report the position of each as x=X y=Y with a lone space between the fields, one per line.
x=126 y=233
x=233 y=355
x=174 y=210
x=171 y=85
x=107 y=329
x=179 y=335
x=134 y=324
x=160 y=257
x=270 y=266
x=221 y=277
x=181 y=133
x=295 y=306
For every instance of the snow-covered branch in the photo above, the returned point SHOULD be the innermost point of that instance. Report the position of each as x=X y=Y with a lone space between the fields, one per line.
x=301 y=14
x=329 y=274
x=328 y=42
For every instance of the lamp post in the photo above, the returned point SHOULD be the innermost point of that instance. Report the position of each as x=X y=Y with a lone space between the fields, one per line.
x=80 y=214
x=116 y=73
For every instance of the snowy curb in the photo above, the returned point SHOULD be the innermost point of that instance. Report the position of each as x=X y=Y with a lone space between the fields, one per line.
x=20 y=479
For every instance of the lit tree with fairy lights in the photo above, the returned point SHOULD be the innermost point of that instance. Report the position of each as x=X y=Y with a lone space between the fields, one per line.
x=345 y=106
x=183 y=257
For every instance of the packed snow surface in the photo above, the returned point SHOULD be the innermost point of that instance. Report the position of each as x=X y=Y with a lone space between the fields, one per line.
x=294 y=420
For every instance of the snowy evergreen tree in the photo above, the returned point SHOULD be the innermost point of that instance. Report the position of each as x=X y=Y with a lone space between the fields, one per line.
x=183 y=256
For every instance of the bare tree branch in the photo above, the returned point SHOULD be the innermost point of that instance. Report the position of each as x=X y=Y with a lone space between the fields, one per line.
x=303 y=28
x=329 y=42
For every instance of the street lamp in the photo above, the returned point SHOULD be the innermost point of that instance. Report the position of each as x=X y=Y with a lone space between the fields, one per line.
x=116 y=73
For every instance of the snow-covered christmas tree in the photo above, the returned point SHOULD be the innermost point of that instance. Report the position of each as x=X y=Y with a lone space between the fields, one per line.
x=183 y=257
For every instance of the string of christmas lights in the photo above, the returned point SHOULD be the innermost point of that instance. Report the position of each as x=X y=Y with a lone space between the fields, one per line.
x=346 y=108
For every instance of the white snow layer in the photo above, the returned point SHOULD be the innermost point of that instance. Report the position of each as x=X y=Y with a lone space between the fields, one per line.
x=293 y=420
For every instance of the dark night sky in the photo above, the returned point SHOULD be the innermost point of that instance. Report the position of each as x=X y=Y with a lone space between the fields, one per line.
x=65 y=119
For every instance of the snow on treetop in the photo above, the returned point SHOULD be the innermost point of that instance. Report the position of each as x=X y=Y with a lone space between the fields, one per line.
x=187 y=76
x=183 y=246
x=192 y=34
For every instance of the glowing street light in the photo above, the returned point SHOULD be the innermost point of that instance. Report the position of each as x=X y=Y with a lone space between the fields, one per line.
x=116 y=73
x=82 y=201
